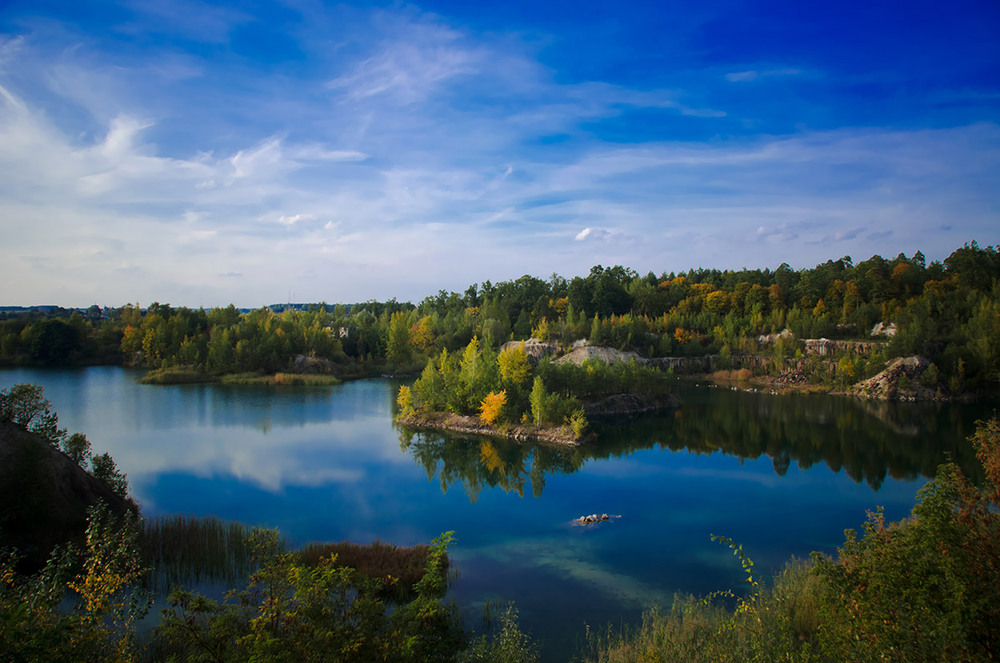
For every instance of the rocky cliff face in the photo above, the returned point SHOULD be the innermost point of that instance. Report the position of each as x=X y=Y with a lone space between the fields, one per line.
x=607 y=355
x=535 y=349
x=44 y=495
x=899 y=381
x=705 y=364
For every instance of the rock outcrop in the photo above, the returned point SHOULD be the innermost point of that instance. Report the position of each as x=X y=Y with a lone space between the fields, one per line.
x=536 y=349
x=594 y=518
x=685 y=365
x=829 y=347
x=44 y=495
x=899 y=381
x=883 y=329
x=312 y=364
x=607 y=355
x=704 y=364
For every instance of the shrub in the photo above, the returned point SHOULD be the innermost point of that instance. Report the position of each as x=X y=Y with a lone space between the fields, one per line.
x=578 y=422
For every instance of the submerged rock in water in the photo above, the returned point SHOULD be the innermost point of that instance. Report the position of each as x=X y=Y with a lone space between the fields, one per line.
x=594 y=518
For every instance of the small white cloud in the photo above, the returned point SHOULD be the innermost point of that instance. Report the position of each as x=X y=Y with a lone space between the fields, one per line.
x=320 y=153
x=292 y=219
x=592 y=234
x=120 y=136
x=266 y=156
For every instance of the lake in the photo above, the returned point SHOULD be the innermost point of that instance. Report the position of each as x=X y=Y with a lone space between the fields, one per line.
x=783 y=475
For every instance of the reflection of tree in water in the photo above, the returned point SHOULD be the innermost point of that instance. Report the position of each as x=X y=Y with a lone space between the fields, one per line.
x=478 y=463
x=867 y=441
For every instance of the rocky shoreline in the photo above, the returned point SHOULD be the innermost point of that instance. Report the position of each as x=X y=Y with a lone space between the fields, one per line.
x=900 y=380
x=471 y=425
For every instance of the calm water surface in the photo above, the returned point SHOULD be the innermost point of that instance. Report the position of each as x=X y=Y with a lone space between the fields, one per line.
x=782 y=475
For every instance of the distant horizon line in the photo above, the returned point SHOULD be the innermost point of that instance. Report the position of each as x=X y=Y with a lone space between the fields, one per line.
x=29 y=307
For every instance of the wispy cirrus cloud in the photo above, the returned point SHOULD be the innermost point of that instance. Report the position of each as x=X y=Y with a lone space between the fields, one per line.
x=415 y=153
x=751 y=75
x=411 y=64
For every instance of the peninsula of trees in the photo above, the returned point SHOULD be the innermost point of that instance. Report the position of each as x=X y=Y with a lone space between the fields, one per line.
x=946 y=312
x=515 y=396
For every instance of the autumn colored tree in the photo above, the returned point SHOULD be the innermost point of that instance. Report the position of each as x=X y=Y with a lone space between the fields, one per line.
x=515 y=367
x=492 y=406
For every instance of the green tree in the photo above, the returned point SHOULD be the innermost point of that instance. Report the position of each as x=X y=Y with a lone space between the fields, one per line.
x=26 y=406
x=399 y=347
x=55 y=343
x=77 y=447
x=539 y=401
x=104 y=469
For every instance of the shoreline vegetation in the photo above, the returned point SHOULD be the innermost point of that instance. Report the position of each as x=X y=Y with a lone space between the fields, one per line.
x=172 y=376
x=828 y=328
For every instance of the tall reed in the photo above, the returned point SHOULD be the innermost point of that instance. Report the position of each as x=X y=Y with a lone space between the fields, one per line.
x=189 y=550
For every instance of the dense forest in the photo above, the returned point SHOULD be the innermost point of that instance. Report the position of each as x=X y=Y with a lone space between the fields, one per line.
x=948 y=312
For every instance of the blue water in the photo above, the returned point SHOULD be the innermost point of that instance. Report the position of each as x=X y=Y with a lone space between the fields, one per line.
x=783 y=475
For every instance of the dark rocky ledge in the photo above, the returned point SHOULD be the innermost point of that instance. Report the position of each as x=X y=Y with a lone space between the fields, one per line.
x=455 y=423
x=44 y=495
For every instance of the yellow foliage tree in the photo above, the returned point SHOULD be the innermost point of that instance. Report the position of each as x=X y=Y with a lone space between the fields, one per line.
x=514 y=365
x=492 y=406
x=405 y=401
x=422 y=334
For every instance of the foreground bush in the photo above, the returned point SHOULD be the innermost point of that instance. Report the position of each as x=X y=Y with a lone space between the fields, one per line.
x=83 y=606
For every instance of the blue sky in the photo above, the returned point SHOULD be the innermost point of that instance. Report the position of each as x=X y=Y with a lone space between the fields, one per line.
x=205 y=153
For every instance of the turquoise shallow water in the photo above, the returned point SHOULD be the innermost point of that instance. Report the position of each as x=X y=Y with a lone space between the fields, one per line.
x=783 y=475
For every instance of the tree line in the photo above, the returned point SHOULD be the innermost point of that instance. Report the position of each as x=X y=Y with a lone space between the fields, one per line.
x=947 y=311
